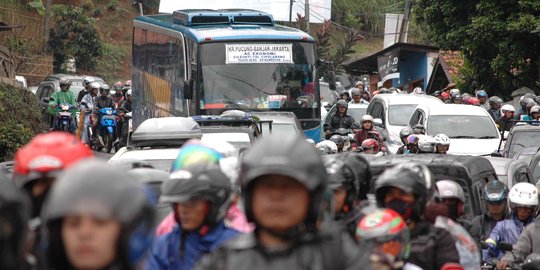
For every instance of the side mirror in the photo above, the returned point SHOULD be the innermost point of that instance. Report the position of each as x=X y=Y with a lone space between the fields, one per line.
x=496 y=154
x=188 y=88
x=378 y=122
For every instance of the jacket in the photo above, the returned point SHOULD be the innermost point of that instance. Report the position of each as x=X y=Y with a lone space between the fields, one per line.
x=528 y=243
x=506 y=231
x=362 y=135
x=90 y=101
x=495 y=114
x=61 y=97
x=503 y=124
x=336 y=121
x=481 y=227
x=322 y=250
x=106 y=102
x=167 y=253
x=432 y=247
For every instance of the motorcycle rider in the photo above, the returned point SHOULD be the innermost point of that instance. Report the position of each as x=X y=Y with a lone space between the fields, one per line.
x=523 y=200
x=339 y=119
x=495 y=104
x=404 y=189
x=339 y=141
x=419 y=129
x=442 y=143
x=505 y=122
x=412 y=144
x=97 y=218
x=327 y=147
x=357 y=98
x=283 y=188
x=482 y=97
x=523 y=102
x=89 y=103
x=64 y=96
x=403 y=134
x=445 y=97
x=345 y=95
x=367 y=131
x=456 y=98
x=123 y=124
x=371 y=147
x=453 y=196
x=102 y=101
x=426 y=144
x=14 y=213
x=199 y=196
x=86 y=90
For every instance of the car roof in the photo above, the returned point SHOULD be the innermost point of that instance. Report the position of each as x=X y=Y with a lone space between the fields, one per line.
x=227 y=129
x=528 y=151
x=71 y=77
x=147 y=153
x=525 y=128
x=396 y=99
x=455 y=109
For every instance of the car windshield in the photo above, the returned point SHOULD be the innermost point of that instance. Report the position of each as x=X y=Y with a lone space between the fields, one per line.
x=462 y=126
x=253 y=75
x=523 y=139
x=399 y=115
x=357 y=112
x=536 y=171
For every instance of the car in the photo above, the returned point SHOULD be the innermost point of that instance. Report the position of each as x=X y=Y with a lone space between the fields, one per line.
x=531 y=156
x=240 y=137
x=470 y=172
x=394 y=111
x=511 y=171
x=356 y=110
x=156 y=141
x=471 y=129
x=283 y=123
x=520 y=137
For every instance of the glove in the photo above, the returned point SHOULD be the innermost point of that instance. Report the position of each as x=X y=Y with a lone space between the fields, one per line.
x=492 y=248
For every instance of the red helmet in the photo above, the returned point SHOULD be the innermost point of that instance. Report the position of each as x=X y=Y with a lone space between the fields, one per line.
x=371 y=145
x=445 y=96
x=473 y=101
x=47 y=154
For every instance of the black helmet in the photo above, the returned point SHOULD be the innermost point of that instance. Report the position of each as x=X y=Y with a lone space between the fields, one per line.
x=338 y=140
x=340 y=174
x=93 y=187
x=495 y=100
x=295 y=158
x=202 y=181
x=405 y=132
x=412 y=178
x=495 y=191
x=344 y=92
x=13 y=217
x=361 y=171
x=342 y=103
x=419 y=129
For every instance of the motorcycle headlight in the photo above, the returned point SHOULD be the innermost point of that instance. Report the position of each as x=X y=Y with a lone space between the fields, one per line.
x=109 y=112
x=65 y=107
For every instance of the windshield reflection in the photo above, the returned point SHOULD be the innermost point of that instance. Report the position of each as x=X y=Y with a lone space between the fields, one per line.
x=462 y=126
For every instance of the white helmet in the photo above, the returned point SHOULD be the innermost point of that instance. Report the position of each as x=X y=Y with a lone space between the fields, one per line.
x=128 y=92
x=442 y=139
x=94 y=85
x=332 y=146
x=535 y=109
x=508 y=108
x=449 y=189
x=523 y=194
x=454 y=91
x=426 y=143
x=365 y=118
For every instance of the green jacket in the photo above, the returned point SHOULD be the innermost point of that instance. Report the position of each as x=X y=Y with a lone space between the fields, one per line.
x=61 y=97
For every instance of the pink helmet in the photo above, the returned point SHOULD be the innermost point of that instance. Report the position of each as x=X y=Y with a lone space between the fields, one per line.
x=128 y=83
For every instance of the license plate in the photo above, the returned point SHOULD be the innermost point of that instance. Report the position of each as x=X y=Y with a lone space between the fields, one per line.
x=111 y=117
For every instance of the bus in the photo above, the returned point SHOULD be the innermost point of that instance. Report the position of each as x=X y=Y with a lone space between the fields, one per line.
x=203 y=62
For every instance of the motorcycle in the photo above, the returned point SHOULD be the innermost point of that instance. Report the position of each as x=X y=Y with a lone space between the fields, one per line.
x=106 y=130
x=64 y=119
x=532 y=261
x=347 y=137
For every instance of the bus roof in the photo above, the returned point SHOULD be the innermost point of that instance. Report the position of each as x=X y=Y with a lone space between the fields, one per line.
x=226 y=32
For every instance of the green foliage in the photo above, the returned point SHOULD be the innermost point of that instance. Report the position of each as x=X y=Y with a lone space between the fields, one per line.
x=364 y=15
x=497 y=38
x=74 y=34
x=38 y=5
x=111 y=61
x=20 y=117
x=113 y=5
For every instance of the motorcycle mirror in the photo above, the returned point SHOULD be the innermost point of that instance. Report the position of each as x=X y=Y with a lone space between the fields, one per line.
x=378 y=122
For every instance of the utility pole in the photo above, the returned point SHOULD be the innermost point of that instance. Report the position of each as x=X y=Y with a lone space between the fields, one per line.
x=405 y=21
x=306 y=14
x=290 y=10
x=47 y=25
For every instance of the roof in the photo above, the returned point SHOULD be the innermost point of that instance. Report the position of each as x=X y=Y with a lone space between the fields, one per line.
x=227 y=31
x=368 y=64
x=457 y=109
x=518 y=128
x=397 y=98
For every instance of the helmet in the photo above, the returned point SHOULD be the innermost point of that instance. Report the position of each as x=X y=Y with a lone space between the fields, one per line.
x=344 y=92
x=454 y=91
x=327 y=147
x=531 y=104
x=194 y=152
x=437 y=93
x=508 y=108
x=295 y=158
x=128 y=93
x=94 y=85
x=128 y=83
x=361 y=171
x=104 y=88
x=118 y=85
x=87 y=81
x=365 y=118
x=342 y=103
x=382 y=226
x=96 y=188
x=495 y=191
x=358 y=83
x=341 y=174
x=419 y=129
x=456 y=96
x=13 y=215
x=413 y=139
x=371 y=145
x=481 y=93
x=355 y=92
x=445 y=96
x=65 y=81
x=442 y=139
x=426 y=143
x=535 y=109
x=47 y=154
x=449 y=189
x=338 y=140
x=523 y=101
x=204 y=181
x=418 y=91
x=405 y=132
x=473 y=101
x=495 y=100
x=412 y=178
x=523 y=195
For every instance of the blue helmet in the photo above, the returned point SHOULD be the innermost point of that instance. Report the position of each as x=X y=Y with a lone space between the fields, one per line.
x=495 y=191
x=481 y=93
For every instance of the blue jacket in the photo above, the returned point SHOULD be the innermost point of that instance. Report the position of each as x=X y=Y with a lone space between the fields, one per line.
x=507 y=231
x=166 y=253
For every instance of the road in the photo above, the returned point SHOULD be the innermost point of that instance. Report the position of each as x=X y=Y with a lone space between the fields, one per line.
x=102 y=155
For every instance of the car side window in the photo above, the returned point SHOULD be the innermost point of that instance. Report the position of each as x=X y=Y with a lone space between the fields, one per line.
x=421 y=118
x=414 y=118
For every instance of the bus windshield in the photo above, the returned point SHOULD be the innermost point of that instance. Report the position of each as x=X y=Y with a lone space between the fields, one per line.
x=257 y=75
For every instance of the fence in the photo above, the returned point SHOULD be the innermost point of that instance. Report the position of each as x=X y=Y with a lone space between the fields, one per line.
x=33 y=25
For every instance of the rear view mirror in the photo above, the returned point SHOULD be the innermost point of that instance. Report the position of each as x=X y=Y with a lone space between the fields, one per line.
x=496 y=154
x=188 y=89
x=378 y=122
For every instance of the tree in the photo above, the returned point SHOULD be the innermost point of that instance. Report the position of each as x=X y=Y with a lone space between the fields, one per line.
x=497 y=37
x=74 y=34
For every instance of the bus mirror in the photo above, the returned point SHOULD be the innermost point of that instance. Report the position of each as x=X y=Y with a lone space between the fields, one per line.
x=188 y=89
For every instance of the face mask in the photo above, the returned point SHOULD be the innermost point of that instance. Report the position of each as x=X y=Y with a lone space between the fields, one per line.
x=404 y=209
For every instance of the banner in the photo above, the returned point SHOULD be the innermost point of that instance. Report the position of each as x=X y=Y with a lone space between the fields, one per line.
x=258 y=53
x=387 y=64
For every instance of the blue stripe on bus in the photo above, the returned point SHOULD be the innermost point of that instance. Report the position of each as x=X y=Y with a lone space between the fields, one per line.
x=314 y=134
